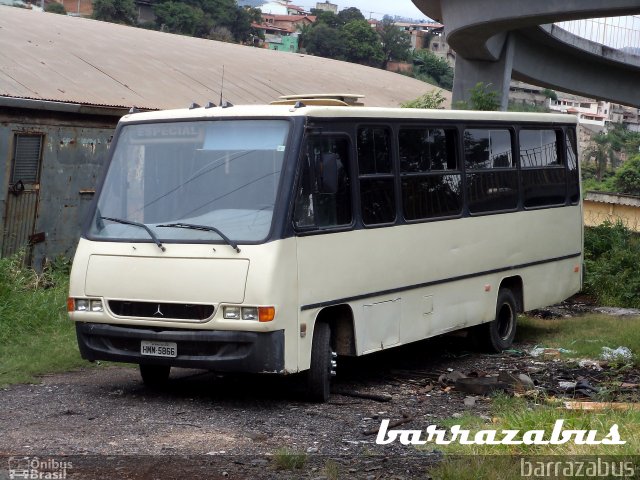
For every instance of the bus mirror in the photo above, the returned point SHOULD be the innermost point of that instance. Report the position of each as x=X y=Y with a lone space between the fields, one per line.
x=329 y=173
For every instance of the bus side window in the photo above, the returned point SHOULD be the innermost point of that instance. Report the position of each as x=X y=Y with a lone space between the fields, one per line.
x=376 y=176
x=323 y=198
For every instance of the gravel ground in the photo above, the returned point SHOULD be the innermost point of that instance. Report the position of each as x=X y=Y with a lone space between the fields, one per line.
x=108 y=425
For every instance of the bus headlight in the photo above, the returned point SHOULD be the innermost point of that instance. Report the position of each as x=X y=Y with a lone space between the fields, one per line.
x=256 y=314
x=231 y=313
x=249 y=313
x=82 y=305
x=96 y=306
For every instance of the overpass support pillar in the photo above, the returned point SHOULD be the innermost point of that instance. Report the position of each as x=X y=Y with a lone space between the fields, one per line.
x=496 y=75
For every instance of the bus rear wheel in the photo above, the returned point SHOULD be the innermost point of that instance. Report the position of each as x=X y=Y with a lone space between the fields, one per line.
x=498 y=334
x=154 y=376
x=322 y=364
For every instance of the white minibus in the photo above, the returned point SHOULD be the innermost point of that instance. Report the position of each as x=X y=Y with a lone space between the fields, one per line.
x=276 y=238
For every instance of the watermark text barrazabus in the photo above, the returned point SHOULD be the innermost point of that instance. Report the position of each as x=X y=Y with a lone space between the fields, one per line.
x=590 y=468
x=558 y=436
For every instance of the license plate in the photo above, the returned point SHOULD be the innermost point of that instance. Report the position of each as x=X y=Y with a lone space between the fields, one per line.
x=159 y=349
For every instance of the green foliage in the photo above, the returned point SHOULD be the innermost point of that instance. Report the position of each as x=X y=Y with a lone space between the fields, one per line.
x=179 y=17
x=287 y=459
x=612 y=265
x=526 y=107
x=427 y=65
x=481 y=97
x=350 y=14
x=627 y=177
x=547 y=92
x=115 y=11
x=396 y=43
x=55 y=7
x=433 y=99
x=362 y=44
x=324 y=41
x=36 y=335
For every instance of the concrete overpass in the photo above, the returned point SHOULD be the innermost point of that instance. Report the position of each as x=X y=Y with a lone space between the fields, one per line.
x=497 y=40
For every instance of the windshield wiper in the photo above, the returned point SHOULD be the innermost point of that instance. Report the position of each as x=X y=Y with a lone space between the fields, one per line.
x=136 y=224
x=205 y=228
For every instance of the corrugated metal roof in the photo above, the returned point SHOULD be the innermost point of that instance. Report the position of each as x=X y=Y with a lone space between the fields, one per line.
x=69 y=59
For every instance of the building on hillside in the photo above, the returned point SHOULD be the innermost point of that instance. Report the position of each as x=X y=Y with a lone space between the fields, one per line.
x=327 y=6
x=613 y=207
x=63 y=88
x=281 y=32
x=281 y=8
x=586 y=109
x=526 y=94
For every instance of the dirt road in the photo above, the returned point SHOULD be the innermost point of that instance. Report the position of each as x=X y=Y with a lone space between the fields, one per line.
x=108 y=425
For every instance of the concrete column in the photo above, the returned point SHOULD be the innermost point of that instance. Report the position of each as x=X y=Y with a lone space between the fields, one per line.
x=495 y=74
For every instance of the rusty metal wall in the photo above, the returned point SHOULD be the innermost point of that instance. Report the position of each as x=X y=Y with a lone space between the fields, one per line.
x=75 y=148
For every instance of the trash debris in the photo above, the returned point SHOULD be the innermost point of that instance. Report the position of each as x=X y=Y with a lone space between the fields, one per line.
x=592 y=364
x=450 y=377
x=619 y=354
x=599 y=406
x=470 y=401
x=565 y=385
x=548 y=352
x=618 y=312
x=481 y=385
x=519 y=381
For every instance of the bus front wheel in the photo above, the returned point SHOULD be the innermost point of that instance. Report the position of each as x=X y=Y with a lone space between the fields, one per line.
x=498 y=334
x=322 y=364
x=154 y=376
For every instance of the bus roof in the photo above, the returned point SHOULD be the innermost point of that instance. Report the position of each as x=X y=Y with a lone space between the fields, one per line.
x=313 y=111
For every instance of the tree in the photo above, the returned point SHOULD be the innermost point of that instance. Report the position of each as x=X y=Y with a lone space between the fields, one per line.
x=55 y=7
x=429 y=66
x=433 y=99
x=115 y=11
x=396 y=43
x=324 y=41
x=627 y=177
x=481 y=97
x=327 y=18
x=602 y=153
x=349 y=15
x=178 y=17
x=362 y=44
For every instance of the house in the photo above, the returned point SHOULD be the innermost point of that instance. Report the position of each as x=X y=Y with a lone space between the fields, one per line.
x=281 y=31
x=65 y=81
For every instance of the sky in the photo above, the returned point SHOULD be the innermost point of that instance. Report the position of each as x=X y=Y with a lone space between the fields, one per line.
x=374 y=8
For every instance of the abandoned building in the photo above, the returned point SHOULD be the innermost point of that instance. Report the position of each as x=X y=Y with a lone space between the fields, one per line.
x=65 y=82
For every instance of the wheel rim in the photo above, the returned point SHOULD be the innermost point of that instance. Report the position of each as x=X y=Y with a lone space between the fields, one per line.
x=505 y=321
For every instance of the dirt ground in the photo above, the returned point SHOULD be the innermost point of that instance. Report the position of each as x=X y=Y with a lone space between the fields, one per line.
x=106 y=424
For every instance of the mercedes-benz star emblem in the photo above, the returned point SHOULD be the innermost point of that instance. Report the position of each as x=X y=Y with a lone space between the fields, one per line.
x=158 y=312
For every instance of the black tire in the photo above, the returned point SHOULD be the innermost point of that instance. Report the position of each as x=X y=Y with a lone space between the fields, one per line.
x=319 y=374
x=154 y=376
x=498 y=334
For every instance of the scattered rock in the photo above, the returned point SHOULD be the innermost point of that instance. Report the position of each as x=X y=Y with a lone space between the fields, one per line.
x=470 y=401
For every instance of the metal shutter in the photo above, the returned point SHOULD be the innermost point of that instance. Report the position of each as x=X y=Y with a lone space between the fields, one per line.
x=26 y=164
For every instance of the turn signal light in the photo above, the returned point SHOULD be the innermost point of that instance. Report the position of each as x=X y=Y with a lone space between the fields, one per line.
x=266 y=314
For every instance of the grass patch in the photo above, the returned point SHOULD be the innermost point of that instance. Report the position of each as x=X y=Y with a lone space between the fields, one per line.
x=519 y=413
x=287 y=459
x=612 y=265
x=36 y=336
x=584 y=336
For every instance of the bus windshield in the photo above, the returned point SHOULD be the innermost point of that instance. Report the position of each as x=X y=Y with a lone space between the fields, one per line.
x=192 y=181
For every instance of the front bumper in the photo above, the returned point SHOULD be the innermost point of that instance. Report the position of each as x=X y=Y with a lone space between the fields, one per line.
x=220 y=350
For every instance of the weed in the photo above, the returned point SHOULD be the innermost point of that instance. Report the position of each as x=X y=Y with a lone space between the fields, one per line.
x=287 y=459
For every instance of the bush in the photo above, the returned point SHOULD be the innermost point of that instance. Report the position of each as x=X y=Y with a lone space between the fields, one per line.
x=433 y=99
x=612 y=265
